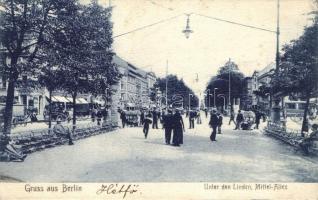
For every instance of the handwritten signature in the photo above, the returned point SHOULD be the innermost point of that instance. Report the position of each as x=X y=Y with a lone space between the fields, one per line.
x=113 y=189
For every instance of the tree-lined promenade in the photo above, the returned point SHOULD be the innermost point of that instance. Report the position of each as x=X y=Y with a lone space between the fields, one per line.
x=125 y=155
x=61 y=44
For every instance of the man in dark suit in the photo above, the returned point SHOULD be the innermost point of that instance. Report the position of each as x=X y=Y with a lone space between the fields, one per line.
x=142 y=117
x=154 y=119
x=214 y=121
x=168 y=125
x=239 y=120
x=123 y=118
x=192 y=115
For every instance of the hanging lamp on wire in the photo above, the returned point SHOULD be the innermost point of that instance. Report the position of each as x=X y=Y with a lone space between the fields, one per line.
x=187 y=30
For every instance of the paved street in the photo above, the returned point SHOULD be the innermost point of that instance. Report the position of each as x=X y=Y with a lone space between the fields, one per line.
x=124 y=155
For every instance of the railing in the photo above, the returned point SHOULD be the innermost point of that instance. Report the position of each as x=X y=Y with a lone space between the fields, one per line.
x=282 y=130
x=308 y=144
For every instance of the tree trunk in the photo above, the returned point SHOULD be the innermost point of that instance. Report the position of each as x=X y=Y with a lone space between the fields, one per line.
x=74 y=111
x=9 y=107
x=50 y=110
x=305 y=121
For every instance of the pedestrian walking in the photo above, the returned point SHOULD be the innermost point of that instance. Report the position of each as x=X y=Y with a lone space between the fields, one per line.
x=146 y=123
x=178 y=128
x=213 y=124
x=239 y=120
x=99 y=116
x=142 y=117
x=206 y=112
x=162 y=119
x=154 y=119
x=220 y=122
x=232 y=117
x=192 y=116
x=93 y=114
x=123 y=118
x=198 y=117
x=168 y=125
x=258 y=117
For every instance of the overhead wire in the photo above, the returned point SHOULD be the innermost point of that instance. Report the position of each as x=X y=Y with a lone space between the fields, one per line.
x=147 y=26
x=235 y=23
x=198 y=14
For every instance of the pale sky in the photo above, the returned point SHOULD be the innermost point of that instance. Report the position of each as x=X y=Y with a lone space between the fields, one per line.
x=212 y=42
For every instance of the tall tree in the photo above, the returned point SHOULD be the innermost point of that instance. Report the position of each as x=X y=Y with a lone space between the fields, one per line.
x=178 y=91
x=23 y=28
x=228 y=77
x=82 y=48
x=299 y=68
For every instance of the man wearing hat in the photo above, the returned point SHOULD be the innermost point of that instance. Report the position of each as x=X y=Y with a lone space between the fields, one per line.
x=214 y=121
x=168 y=125
x=60 y=130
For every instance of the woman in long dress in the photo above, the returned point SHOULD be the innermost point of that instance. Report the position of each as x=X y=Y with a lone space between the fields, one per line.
x=177 y=129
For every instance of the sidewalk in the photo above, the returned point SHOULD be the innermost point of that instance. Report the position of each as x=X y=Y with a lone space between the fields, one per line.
x=124 y=155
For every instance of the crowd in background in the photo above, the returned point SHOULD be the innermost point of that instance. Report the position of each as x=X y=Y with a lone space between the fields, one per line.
x=172 y=122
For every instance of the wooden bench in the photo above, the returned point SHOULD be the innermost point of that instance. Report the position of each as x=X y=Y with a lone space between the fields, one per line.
x=309 y=144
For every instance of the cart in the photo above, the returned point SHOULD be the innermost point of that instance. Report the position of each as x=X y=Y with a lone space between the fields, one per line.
x=249 y=120
x=132 y=118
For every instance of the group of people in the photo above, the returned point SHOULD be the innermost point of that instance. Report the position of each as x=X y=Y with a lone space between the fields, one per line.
x=246 y=124
x=98 y=115
x=171 y=122
x=193 y=115
x=173 y=125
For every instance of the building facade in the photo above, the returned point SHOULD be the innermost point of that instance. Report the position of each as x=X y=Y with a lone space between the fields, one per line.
x=134 y=86
x=247 y=94
x=261 y=79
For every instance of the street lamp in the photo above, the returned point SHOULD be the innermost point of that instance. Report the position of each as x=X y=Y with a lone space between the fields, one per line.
x=222 y=96
x=214 y=97
x=206 y=100
x=187 y=30
x=190 y=101
x=208 y=96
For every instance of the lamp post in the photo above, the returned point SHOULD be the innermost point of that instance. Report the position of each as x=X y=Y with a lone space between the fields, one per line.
x=190 y=101
x=222 y=96
x=230 y=89
x=167 y=86
x=214 y=97
x=210 y=95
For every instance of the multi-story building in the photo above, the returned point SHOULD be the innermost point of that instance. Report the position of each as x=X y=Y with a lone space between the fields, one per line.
x=134 y=86
x=260 y=79
x=247 y=94
x=30 y=99
x=132 y=91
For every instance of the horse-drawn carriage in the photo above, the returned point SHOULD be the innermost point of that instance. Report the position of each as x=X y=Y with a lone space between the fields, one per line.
x=20 y=115
x=132 y=117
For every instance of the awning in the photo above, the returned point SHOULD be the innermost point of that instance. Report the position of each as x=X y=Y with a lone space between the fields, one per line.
x=59 y=99
x=81 y=101
x=78 y=100
x=67 y=100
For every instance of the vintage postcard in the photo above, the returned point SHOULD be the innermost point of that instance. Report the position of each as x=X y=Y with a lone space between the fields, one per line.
x=158 y=99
